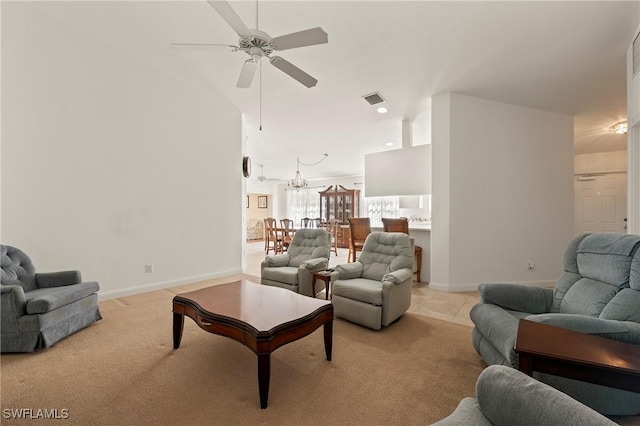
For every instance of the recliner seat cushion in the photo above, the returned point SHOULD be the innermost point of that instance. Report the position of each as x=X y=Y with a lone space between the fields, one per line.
x=43 y=300
x=361 y=289
x=283 y=274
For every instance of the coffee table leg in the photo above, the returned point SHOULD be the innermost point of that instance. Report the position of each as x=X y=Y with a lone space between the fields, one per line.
x=328 y=338
x=178 y=325
x=264 y=374
x=525 y=364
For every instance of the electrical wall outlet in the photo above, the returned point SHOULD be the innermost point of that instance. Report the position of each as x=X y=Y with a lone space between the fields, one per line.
x=530 y=265
x=148 y=268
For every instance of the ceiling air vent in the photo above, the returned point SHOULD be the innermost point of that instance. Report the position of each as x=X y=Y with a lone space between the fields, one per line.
x=373 y=98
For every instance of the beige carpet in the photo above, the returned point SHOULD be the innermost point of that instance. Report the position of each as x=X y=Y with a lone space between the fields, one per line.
x=123 y=371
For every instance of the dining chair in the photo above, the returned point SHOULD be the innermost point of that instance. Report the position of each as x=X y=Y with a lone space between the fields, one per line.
x=317 y=222
x=305 y=222
x=287 y=232
x=360 y=228
x=266 y=232
x=402 y=225
x=332 y=226
x=273 y=239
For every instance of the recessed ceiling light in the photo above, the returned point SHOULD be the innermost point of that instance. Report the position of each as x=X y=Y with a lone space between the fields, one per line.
x=382 y=110
x=389 y=144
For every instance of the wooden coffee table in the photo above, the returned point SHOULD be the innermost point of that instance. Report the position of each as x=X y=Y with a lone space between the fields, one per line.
x=566 y=353
x=261 y=317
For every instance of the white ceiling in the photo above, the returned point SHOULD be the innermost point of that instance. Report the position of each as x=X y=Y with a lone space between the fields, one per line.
x=564 y=57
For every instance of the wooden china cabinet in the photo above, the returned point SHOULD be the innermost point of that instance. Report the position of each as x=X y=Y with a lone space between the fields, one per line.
x=340 y=203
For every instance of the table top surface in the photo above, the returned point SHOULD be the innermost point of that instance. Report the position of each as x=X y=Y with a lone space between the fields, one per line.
x=548 y=341
x=260 y=306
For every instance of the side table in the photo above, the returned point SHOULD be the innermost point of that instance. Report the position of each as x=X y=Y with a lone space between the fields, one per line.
x=324 y=276
x=566 y=353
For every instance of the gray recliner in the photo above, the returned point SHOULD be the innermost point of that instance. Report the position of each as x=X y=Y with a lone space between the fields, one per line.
x=308 y=253
x=375 y=290
x=507 y=397
x=599 y=294
x=40 y=309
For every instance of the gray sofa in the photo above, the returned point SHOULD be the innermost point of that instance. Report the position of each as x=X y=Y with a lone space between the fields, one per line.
x=599 y=294
x=375 y=290
x=507 y=397
x=39 y=309
x=308 y=253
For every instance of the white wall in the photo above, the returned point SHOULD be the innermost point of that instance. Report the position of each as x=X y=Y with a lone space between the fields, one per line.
x=599 y=162
x=108 y=165
x=633 y=142
x=502 y=193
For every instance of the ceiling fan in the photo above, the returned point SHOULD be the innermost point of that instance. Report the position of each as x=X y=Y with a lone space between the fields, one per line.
x=262 y=177
x=258 y=44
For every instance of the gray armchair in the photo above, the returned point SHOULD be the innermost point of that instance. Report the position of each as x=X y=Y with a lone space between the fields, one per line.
x=308 y=253
x=38 y=309
x=375 y=290
x=599 y=294
x=507 y=397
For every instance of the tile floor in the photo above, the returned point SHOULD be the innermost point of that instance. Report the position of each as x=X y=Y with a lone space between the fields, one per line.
x=452 y=307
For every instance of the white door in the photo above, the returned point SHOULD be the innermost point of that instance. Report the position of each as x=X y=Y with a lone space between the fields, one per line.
x=601 y=203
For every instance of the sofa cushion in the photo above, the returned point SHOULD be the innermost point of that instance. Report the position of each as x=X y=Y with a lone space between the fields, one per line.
x=283 y=274
x=42 y=300
x=385 y=252
x=362 y=289
x=309 y=244
x=634 y=276
x=508 y=397
x=607 y=257
x=17 y=268
x=623 y=306
x=587 y=297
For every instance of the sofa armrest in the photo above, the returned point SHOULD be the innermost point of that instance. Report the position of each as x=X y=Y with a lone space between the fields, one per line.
x=622 y=331
x=14 y=302
x=507 y=396
x=315 y=265
x=349 y=271
x=58 y=279
x=278 y=260
x=517 y=297
x=399 y=276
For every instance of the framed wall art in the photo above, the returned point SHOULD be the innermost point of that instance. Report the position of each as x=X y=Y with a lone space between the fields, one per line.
x=262 y=201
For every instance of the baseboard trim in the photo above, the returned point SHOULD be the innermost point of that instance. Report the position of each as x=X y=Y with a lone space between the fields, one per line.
x=164 y=284
x=460 y=287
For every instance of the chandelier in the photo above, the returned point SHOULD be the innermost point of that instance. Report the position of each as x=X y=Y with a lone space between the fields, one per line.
x=297 y=182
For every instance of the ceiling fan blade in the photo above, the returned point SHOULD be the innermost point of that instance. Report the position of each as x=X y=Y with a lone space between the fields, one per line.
x=293 y=71
x=247 y=73
x=227 y=13
x=300 y=39
x=202 y=46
